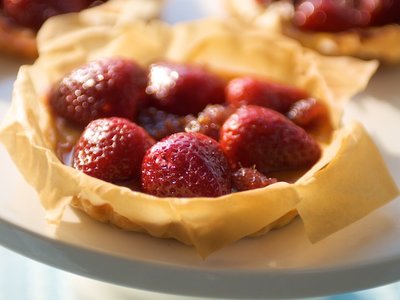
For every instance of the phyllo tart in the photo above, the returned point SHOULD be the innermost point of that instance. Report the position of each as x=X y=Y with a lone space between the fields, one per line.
x=203 y=132
x=364 y=29
x=20 y=20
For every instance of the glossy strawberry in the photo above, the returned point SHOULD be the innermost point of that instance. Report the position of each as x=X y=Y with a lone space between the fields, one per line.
x=252 y=91
x=99 y=89
x=33 y=13
x=329 y=15
x=246 y=179
x=186 y=165
x=183 y=89
x=261 y=137
x=111 y=149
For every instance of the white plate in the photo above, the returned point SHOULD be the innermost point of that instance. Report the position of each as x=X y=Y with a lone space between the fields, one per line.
x=280 y=264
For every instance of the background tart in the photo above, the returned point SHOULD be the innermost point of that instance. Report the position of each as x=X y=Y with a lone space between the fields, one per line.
x=375 y=42
x=324 y=197
x=17 y=40
x=20 y=39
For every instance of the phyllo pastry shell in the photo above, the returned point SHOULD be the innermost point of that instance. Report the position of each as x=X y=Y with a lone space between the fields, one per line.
x=338 y=190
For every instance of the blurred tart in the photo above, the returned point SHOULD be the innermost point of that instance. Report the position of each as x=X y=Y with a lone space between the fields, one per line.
x=20 y=20
x=365 y=29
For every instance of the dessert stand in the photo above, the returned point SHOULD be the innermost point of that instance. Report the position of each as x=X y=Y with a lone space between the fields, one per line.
x=281 y=264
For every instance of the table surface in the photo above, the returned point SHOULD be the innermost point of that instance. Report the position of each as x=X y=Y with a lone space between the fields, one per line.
x=24 y=279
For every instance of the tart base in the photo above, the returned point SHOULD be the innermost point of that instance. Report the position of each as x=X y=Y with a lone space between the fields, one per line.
x=104 y=213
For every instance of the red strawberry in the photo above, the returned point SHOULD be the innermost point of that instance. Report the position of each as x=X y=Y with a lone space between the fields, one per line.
x=186 y=165
x=183 y=89
x=252 y=91
x=246 y=179
x=111 y=149
x=102 y=88
x=33 y=13
x=260 y=137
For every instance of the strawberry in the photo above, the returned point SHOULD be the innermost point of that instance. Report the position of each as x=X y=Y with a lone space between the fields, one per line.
x=186 y=165
x=102 y=88
x=246 y=179
x=261 y=137
x=183 y=89
x=253 y=91
x=111 y=149
x=33 y=13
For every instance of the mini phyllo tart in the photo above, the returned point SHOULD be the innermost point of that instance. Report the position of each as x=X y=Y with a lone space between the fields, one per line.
x=364 y=29
x=20 y=20
x=201 y=132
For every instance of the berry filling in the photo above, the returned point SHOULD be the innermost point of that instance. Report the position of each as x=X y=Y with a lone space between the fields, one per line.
x=186 y=132
x=245 y=179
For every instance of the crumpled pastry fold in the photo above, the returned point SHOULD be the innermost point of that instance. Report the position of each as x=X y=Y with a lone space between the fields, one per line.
x=206 y=223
